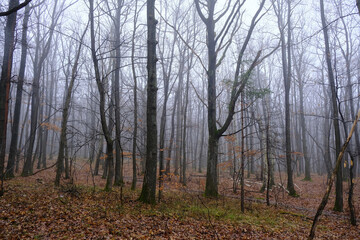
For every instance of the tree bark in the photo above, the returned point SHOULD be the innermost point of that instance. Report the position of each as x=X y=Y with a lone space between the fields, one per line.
x=240 y=80
x=100 y=85
x=148 y=191
x=9 y=45
x=335 y=112
x=38 y=64
x=119 y=180
x=17 y=111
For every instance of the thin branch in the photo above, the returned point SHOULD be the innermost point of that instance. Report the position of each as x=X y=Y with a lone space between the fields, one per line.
x=183 y=40
x=197 y=94
x=15 y=9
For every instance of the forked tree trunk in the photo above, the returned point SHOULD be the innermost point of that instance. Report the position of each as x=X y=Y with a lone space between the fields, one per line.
x=240 y=80
x=101 y=89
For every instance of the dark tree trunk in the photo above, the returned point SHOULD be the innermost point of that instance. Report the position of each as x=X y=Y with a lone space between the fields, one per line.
x=17 y=112
x=240 y=80
x=339 y=187
x=118 y=163
x=35 y=101
x=287 y=81
x=5 y=80
x=98 y=156
x=100 y=85
x=242 y=164
x=148 y=191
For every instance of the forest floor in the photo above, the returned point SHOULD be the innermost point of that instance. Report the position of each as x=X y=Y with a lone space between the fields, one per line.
x=32 y=208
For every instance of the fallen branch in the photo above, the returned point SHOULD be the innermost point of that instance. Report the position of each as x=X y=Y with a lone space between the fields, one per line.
x=42 y=170
x=331 y=181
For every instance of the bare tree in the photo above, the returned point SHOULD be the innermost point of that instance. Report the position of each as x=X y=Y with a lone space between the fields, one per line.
x=101 y=89
x=286 y=69
x=9 y=45
x=65 y=114
x=335 y=112
x=135 y=132
x=40 y=57
x=118 y=163
x=148 y=191
x=15 y=127
x=215 y=43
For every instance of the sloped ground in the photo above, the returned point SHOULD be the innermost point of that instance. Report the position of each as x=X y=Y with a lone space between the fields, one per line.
x=32 y=208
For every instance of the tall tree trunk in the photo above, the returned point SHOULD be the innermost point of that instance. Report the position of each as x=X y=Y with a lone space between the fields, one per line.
x=240 y=80
x=326 y=134
x=65 y=115
x=202 y=140
x=242 y=166
x=101 y=89
x=17 y=112
x=38 y=64
x=21 y=147
x=134 y=175
x=148 y=191
x=179 y=114
x=286 y=68
x=5 y=80
x=49 y=98
x=211 y=188
x=172 y=133
x=287 y=80
x=166 y=69
x=118 y=162
x=303 y=128
x=184 y=156
x=335 y=112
